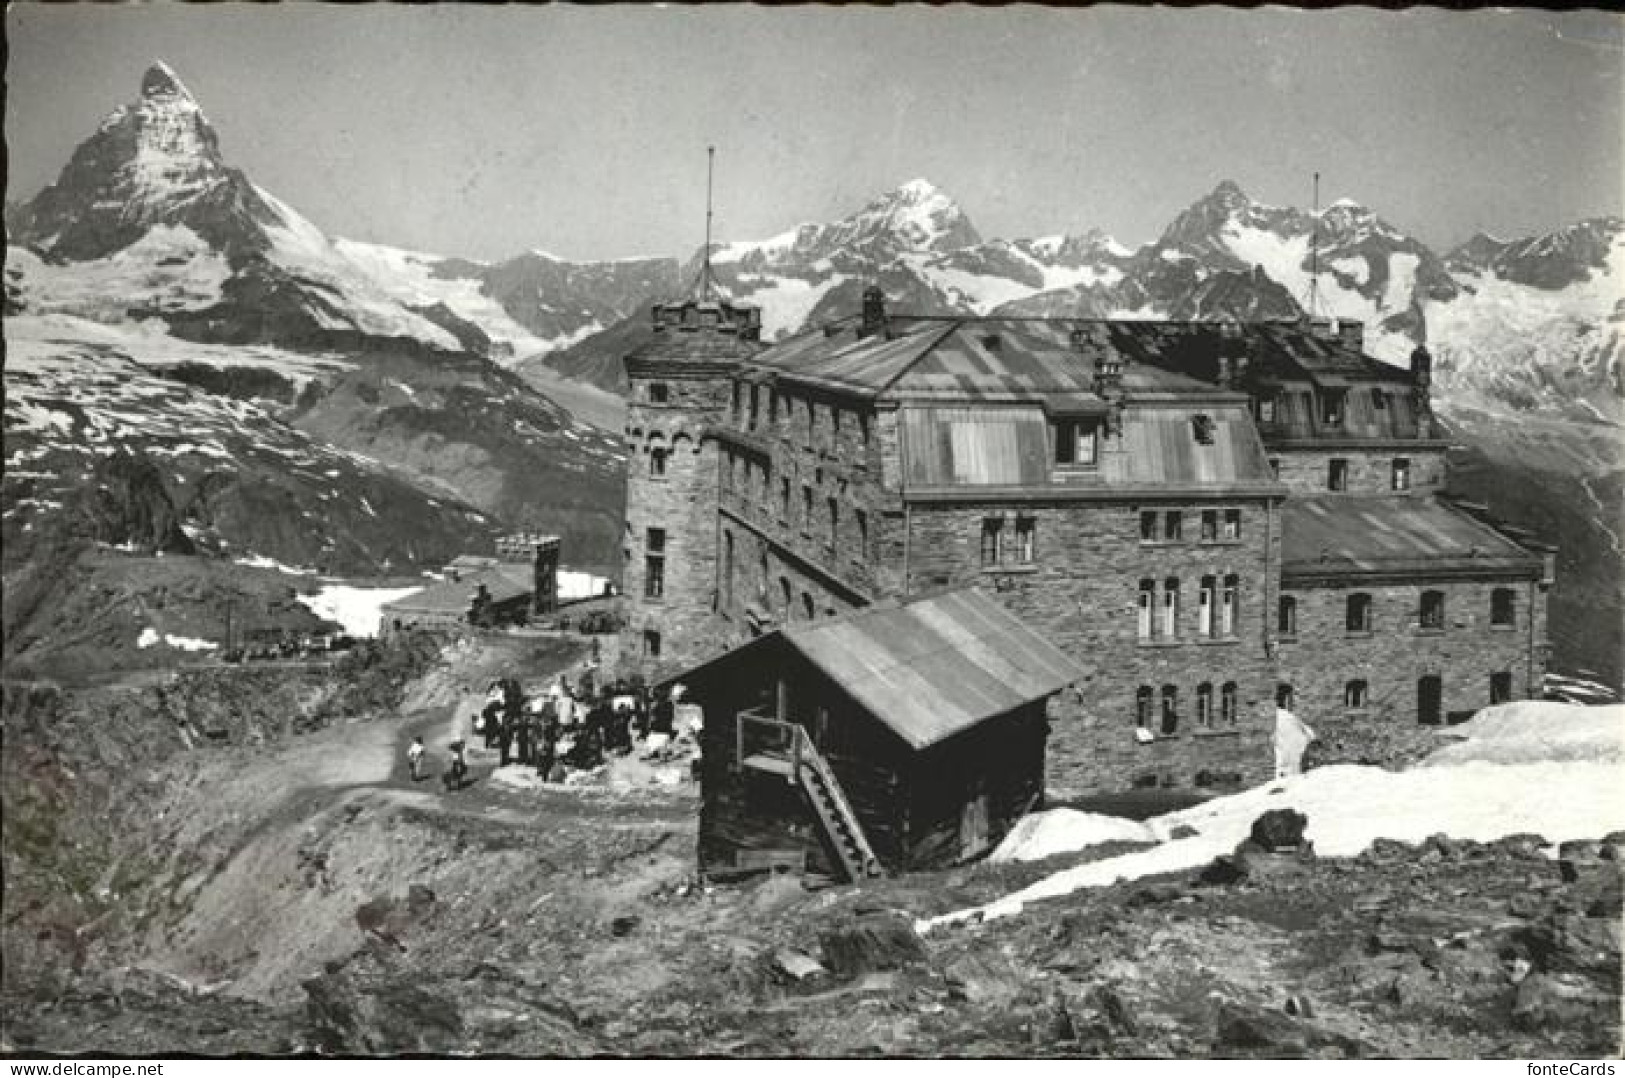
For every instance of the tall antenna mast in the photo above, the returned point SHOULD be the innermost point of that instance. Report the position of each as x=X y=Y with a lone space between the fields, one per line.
x=1314 y=256
x=710 y=165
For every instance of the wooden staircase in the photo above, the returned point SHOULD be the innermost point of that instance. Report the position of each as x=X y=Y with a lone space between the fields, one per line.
x=841 y=824
x=798 y=759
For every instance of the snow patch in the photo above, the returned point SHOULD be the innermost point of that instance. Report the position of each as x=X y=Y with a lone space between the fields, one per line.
x=359 y=610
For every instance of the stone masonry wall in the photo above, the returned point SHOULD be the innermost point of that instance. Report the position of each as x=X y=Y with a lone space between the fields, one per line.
x=683 y=502
x=1396 y=653
x=1082 y=593
x=1370 y=471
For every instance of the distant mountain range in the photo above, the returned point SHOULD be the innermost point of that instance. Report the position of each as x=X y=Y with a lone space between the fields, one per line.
x=387 y=406
x=316 y=401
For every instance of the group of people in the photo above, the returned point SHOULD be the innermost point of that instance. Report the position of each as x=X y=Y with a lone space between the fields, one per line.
x=576 y=726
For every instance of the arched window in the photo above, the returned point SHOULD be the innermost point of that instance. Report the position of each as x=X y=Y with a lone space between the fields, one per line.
x=808 y=607
x=1286 y=616
x=1144 y=700
x=1357 y=613
x=1354 y=694
x=1503 y=608
x=1170 y=710
x=787 y=594
x=1148 y=589
x=1204 y=607
x=1227 y=605
x=1204 y=705
x=1227 y=703
x=1170 y=607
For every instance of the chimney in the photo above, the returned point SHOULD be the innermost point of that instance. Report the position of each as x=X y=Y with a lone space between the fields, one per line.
x=874 y=312
x=1422 y=378
x=1352 y=334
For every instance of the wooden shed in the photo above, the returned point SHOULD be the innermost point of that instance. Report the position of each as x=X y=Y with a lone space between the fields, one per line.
x=898 y=737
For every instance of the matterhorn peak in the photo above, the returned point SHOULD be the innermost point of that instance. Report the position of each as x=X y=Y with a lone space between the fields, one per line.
x=1229 y=191
x=161 y=81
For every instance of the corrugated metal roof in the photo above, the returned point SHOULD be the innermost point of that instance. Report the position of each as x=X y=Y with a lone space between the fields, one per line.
x=1391 y=534
x=1008 y=446
x=974 y=446
x=504 y=582
x=935 y=666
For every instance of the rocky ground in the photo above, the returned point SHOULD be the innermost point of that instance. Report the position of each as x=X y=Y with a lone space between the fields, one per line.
x=289 y=889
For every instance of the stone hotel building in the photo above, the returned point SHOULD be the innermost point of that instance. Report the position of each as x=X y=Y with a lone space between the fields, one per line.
x=1213 y=519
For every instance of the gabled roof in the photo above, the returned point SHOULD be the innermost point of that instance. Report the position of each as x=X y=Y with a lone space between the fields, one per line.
x=503 y=581
x=935 y=666
x=1339 y=535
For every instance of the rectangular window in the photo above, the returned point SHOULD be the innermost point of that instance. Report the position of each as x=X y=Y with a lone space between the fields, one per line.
x=806 y=508
x=1202 y=429
x=1204 y=607
x=1173 y=526
x=1026 y=528
x=654 y=576
x=992 y=541
x=1503 y=608
x=834 y=521
x=1231 y=532
x=1266 y=410
x=1275 y=467
x=658 y=393
x=657 y=462
x=1227 y=703
x=784 y=498
x=1401 y=474
x=1077 y=443
x=1204 y=705
x=1431 y=615
x=1331 y=407
x=1354 y=695
x=1379 y=400
x=1148 y=599
x=1227 y=606
x=1286 y=616
x=1148 y=526
x=863 y=533
x=651 y=644
x=1357 y=613
x=1170 y=608
x=1501 y=687
x=1210 y=525
x=1337 y=474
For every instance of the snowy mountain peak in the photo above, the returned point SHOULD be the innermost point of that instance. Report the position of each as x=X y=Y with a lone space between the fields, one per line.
x=161 y=81
x=917 y=190
x=1229 y=191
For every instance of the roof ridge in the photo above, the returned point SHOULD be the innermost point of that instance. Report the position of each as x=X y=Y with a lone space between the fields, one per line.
x=894 y=379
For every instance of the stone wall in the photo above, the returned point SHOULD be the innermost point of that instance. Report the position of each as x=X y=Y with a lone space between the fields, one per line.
x=1370 y=471
x=1323 y=656
x=683 y=502
x=1081 y=592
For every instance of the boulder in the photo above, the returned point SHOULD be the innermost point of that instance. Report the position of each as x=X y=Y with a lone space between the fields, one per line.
x=1279 y=829
x=872 y=941
x=797 y=966
x=1547 y=1001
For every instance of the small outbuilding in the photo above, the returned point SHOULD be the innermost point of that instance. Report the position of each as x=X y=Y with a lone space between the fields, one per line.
x=901 y=736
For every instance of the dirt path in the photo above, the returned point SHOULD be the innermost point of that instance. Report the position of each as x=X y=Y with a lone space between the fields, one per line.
x=285 y=842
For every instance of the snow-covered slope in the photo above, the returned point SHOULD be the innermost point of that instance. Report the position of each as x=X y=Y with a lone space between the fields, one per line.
x=1499 y=780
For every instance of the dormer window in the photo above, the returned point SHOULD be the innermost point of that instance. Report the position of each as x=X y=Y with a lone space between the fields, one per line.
x=1379 y=399
x=1077 y=443
x=1202 y=429
x=1331 y=407
x=658 y=393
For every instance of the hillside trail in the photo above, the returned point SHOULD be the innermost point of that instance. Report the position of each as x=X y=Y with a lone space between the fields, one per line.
x=275 y=848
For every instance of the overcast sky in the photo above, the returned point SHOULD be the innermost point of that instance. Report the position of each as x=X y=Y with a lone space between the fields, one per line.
x=483 y=131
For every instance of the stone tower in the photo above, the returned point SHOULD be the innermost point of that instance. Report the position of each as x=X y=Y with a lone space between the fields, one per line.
x=681 y=384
